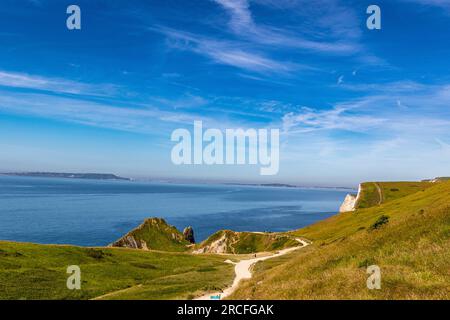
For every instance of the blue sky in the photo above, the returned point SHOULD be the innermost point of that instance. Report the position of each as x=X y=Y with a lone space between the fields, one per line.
x=352 y=104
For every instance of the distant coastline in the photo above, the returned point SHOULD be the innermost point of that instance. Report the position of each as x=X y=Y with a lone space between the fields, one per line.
x=63 y=175
x=283 y=185
x=110 y=176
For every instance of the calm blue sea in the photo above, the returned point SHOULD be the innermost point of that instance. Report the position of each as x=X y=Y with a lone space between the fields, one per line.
x=96 y=212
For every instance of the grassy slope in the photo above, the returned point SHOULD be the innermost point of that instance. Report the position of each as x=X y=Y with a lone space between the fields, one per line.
x=370 y=195
x=249 y=242
x=412 y=250
x=32 y=271
x=158 y=235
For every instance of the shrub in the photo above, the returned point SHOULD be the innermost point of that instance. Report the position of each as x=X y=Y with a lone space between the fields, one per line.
x=380 y=222
x=4 y=253
x=366 y=262
x=95 y=253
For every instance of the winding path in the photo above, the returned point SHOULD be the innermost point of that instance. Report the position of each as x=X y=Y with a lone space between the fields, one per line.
x=380 y=193
x=243 y=271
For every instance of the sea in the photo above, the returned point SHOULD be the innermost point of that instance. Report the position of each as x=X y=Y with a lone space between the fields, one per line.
x=98 y=212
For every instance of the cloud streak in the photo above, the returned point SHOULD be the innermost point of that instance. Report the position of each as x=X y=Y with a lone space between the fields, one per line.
x=147 y=120
x=226 y=52
x=57 y=85
x=405 y=108
x=242 y=24
x=339 y=118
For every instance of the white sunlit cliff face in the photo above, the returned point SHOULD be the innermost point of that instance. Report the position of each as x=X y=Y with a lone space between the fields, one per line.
x=350 y=201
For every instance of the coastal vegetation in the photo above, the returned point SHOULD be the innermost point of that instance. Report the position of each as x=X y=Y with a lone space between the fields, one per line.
x=34 y=271
x=376 y=193
x=154 y=234
x=401 y=227
x=408 y=237
x=227 y=241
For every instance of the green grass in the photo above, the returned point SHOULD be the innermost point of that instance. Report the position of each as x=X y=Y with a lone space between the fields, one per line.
x=412 y=248
x=32 y=271
x=249 y=242
x=369 y=195
x=405 y=230
x=157 y=235
x=376 y=193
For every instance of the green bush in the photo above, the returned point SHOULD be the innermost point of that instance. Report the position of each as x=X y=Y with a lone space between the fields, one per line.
x=366 y=263
x=380 y=222
x=95 y=253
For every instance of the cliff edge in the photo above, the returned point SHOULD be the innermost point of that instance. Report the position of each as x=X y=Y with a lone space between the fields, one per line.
x=350 y=202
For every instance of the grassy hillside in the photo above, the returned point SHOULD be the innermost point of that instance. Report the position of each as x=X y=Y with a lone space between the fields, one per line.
x=154 y=234
x=407 y=237
x=32 y=271
x=226 y=241
x=376 y=193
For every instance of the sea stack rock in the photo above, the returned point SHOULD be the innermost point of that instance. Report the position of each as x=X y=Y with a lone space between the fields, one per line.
x=188 y=234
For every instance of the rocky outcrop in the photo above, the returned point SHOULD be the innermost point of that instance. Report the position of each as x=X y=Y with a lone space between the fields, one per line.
x=216 y=246
x=231 y=242
x=154 y=234
x=129 y=241
x=188 y=234
x=350 y=202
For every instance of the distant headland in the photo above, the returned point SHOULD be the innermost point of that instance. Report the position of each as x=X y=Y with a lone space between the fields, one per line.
x=90 y=176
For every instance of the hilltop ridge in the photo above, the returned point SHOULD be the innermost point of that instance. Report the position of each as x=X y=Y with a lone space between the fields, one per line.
x=154 y=234
x=227 y=241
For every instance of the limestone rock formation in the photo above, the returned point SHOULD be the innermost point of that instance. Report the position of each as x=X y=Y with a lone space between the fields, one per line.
x=154 y=234
x=188 y=234
x=231 y=242
x=350 y=202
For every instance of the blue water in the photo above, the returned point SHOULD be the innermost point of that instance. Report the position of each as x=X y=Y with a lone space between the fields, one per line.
x=96 y=212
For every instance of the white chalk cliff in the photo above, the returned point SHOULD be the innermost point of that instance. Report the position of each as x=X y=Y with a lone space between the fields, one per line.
x=350 y=202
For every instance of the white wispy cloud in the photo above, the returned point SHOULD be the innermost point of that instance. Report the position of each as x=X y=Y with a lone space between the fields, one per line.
x=139 y=119
x=405 y=86
x=187 y=101
x=406 y=108
x=255 y=46
x=158 y=117
x=226 y=52
x=242 y=24
x=58 y=85
x=338 y=118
